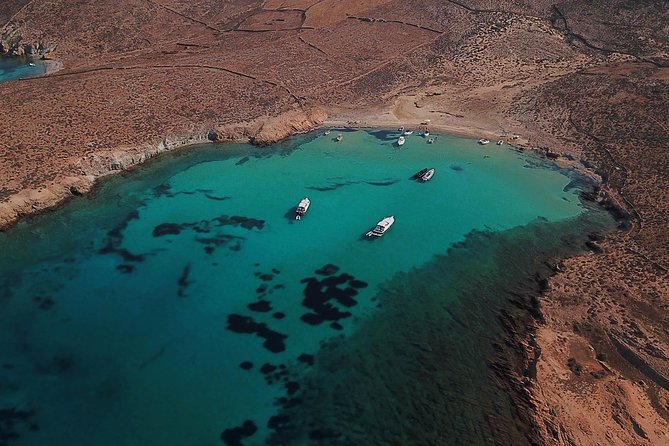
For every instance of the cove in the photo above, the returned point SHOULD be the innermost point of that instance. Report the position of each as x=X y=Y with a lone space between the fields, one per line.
x=181 y=303
x=13 y=68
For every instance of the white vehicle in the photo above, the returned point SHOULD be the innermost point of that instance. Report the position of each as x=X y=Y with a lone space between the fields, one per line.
x=483 y=142
x=302 y=208
x=381 y=227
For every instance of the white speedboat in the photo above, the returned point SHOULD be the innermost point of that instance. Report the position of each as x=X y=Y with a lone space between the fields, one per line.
x=500 y=142
x=302 y=208
x=408 y=132
x=483 y=141
x=339 y=137
x=381 y=227
x=401 y=129
x=400 y=141
x=427 y=175
x=430 y=141
x=327 y=132
x=32 y=64
x=426 y=134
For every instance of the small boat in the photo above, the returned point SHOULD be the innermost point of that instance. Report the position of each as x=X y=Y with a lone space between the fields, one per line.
x=31 y=64
x=302 y=208
x=427 y=176
x=483 y=141
x=327 y=132
x=401 y=129
x=430 y=141
x=426 y=134
x=408 y=132
x=500 y=142
x=401 y=141
x=420 y=173
x=381 y=227
x=339 y=137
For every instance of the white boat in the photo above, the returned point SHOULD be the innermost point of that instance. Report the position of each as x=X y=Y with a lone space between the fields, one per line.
x=408 y=132
x=427 y=176
x=401 y=129
x=339 y=137
x=327 y=132
x=483 y=142
x=426 y=134
x=500 y=142
x=430 y=141
x=381 y=227
x=401 y=141
x=31 y=64
x=302 y=208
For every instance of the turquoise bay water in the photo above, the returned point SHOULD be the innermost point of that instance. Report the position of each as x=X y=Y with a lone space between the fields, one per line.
x=12 y=68
x=183 y=304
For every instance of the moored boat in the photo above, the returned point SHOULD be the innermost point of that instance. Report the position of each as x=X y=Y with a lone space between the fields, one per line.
x=420 y=173
x=381 y=227
x=427 y=175
x=327 y=132
x=302 y=208
x=401 y=141
x=339 y=137
x=500 y=142
x=484 y=141
x=401 y=129
x=430 y=141
x=408 y=132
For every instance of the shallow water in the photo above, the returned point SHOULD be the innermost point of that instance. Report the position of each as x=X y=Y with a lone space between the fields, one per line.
x=145 y=313
x=12 y=68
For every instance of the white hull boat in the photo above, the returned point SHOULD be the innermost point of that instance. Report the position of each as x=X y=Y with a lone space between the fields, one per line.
x=401 y=141
x=302 y=208
x=483 y=142
x=427 y=175
x=381 y=227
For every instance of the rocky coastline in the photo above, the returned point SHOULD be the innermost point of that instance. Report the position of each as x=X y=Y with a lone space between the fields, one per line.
x=263 y=131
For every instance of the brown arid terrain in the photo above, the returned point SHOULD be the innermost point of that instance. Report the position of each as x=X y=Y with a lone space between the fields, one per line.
x=583 y=82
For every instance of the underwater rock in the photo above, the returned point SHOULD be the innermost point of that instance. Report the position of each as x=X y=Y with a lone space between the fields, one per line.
x=234 y=436
x=274 y=341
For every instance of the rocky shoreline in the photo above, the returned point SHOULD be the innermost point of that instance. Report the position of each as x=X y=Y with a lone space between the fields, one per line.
x=263 y=131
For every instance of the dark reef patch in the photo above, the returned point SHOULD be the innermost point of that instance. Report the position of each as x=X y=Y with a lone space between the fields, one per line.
x=235 y=435
x=273 y=340
x=114 y=241
x=11 y=420
x=246 y=365
x=306 y=358
x=320 y=296
x=327 y=270
x=261 y=306
x=456 y=168
x=183 y=281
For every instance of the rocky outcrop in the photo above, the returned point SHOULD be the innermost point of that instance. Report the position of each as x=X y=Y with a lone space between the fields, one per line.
x=13 y=44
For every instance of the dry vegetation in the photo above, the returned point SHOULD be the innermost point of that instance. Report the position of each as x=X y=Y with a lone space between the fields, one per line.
x=589 y=79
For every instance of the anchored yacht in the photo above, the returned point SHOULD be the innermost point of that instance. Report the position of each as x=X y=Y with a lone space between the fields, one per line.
x=381 y=227
x=302 y=208
x=427 y=175
x=400 y=141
